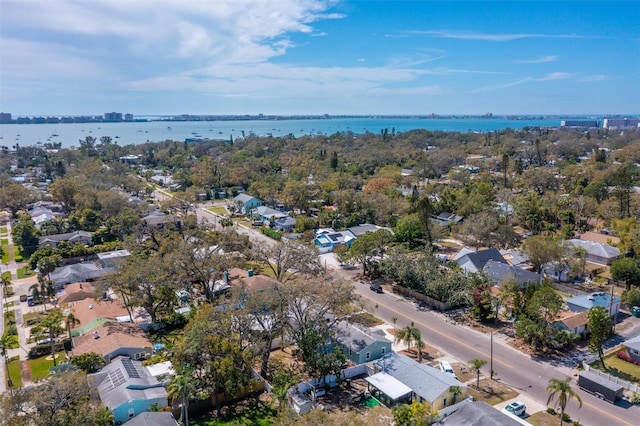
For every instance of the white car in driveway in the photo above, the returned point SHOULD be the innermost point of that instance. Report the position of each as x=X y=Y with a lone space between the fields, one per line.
x=517 y=408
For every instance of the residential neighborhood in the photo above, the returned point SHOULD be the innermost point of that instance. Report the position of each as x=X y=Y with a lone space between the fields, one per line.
x=386 y=288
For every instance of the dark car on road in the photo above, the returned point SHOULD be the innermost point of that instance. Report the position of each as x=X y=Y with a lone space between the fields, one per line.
x=377 y=288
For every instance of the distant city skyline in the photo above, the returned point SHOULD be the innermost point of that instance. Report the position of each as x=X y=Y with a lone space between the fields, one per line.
x=314 y=57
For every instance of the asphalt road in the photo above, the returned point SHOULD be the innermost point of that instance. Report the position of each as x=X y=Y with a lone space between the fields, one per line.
x=513 y=368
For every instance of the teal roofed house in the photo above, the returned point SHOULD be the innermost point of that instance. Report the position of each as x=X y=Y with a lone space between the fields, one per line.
x=362 y=345
x=245 y=203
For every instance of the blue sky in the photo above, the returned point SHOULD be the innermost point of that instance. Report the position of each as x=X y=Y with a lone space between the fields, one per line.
x=319 y=56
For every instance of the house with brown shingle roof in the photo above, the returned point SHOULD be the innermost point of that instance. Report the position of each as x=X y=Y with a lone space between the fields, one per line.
x=75 y=293
x=574 y=322
x=113 y=339
x=240 y=277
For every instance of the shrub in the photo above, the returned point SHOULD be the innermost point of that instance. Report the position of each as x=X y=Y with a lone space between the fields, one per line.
x=551 y=411
x=624 y=355
x=566 y=418
x=271 y=233
x=635 y=398
x=41 y=350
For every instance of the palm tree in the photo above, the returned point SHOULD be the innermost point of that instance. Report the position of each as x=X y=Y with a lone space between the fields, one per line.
x=405 y=335
x=5 y=342
x=34 y=289
x=394 y=320
x=70 y=320
x=51 y=327
x=475 y=365
x=417 y=337
x=562 y=390
x=455 y=391
x=182 y=386
x=4 y=283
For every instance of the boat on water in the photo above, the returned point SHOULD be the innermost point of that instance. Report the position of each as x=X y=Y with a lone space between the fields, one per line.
x=117 y=137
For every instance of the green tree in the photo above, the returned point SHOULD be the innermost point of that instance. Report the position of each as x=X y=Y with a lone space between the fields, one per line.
x=627 y=270
x=288 y=260
x=51 y=327
x=366 y=246
x=542 y=250
x=409 y=229
x=25 y=235
x=600 y=326
x=216 y=356
x=414 y=414
x=90 y=362
x=632 y=296
x=475 y=365
x=65 y=399
x=562 y=392
x=183 y=387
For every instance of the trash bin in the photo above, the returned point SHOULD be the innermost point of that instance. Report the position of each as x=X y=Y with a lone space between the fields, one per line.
x=635 y=311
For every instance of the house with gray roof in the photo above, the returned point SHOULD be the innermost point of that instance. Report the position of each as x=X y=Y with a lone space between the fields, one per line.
x=366 y=228
x=265 y=213
x=362 y=345
x=501 y=273
x=446 y=219
x=479 y=413
x=633 y=348
x=128 y=389
x=475 y=261
x=585 y=302
x=600 y=253
x=245 y=203
x=427 y=384
x=82 y=237
x=150 y=418
x=79 y=272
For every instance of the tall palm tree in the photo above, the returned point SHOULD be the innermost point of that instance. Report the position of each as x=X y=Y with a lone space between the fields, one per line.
x=4 y=283
x=34 y=289
x=5 y=342
x=394 y=320
x=456 y=392
x=70 y=321
x=405 y=335
x=182 y=386
x=475 y=365
x=562 y=390
x=51 y=327
x=417 y=337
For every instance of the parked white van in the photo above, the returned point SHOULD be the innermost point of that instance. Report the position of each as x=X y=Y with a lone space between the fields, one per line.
x=446 y=367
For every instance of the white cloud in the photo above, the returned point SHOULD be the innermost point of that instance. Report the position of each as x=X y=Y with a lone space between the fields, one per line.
x=420 y=90
x=461 y=35
x=555 y=76
x=590 y=78
x=361 y=59
x=491 y=88
x=540 y=60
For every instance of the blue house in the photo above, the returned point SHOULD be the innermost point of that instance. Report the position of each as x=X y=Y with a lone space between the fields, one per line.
x=328 y=240
x=128 y=389
x=585 y=302
x=285 y=224
x=360 y=345
x=245 y=203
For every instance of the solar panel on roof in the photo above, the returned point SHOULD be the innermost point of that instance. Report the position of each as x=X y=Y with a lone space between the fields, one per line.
x=117 y=378
x=131 y=369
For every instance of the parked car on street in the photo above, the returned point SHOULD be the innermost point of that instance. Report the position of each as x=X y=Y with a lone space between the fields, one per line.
x=376 y=287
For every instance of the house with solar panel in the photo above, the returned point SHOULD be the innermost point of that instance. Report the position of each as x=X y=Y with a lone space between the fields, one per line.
x=327 y=240
x=127 y=388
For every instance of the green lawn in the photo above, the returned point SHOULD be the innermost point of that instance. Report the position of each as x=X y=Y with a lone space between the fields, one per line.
x=4 y=242
x=25 y=272
x=5 y=253
x=6 y=275
x=40 y=366
x=542 y=418
x=18 y=256
x=14 y=373
x=3 y=229
x=260 y=415
x=218 y=210
x=620 y=368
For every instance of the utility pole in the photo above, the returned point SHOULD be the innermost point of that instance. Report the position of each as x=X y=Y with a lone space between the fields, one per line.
x=491 y=362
